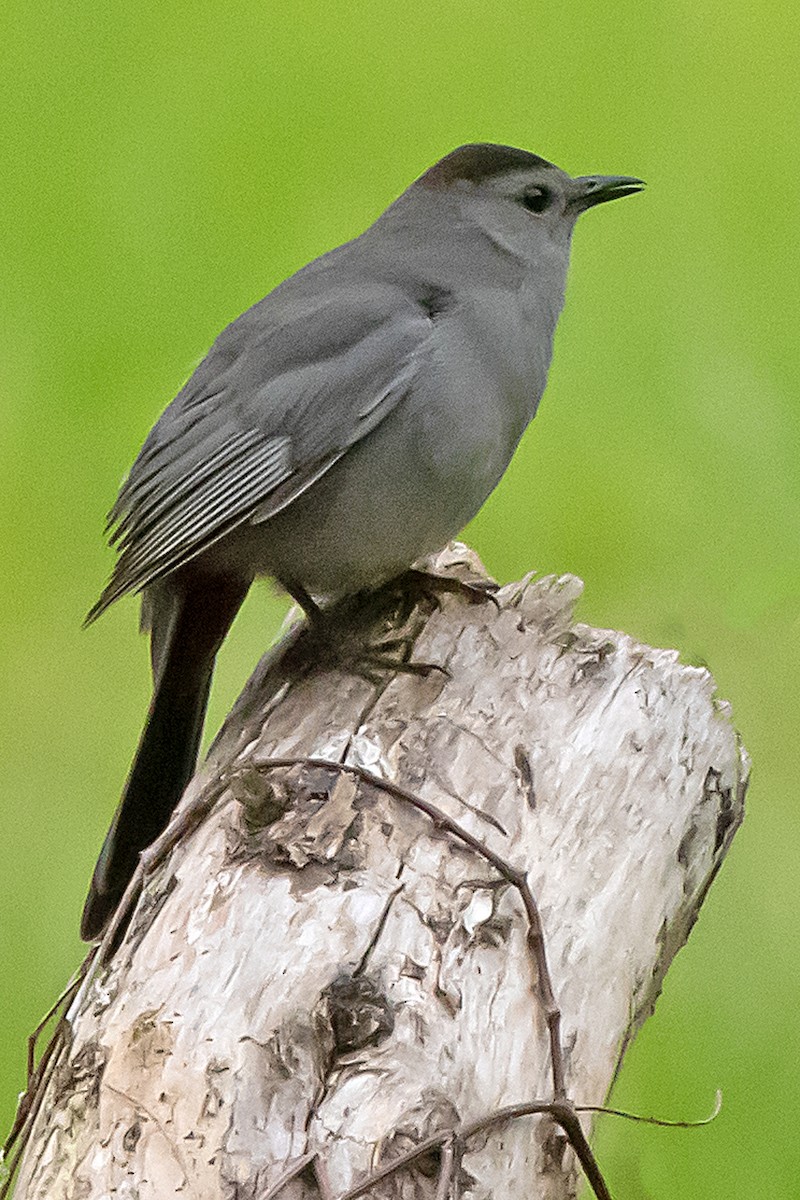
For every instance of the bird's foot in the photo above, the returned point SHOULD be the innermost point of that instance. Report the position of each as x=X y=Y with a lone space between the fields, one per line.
x=475 y=589
x=371 y=634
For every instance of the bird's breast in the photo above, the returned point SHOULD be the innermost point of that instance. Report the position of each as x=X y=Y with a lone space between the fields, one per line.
x=487 y=370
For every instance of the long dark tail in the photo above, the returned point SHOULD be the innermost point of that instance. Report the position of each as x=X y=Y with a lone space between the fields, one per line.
x=190 y=617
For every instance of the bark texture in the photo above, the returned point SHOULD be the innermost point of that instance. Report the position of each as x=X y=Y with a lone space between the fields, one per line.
x=319 y=967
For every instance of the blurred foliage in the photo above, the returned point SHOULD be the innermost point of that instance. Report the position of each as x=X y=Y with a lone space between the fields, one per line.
x=164 y=165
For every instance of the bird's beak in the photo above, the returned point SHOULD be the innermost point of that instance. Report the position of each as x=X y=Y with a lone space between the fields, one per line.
x=597 y=189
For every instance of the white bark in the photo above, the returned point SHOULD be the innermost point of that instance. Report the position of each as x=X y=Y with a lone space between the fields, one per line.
x=317 y=967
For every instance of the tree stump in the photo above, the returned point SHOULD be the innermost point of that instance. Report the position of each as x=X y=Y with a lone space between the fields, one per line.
x=321 y=975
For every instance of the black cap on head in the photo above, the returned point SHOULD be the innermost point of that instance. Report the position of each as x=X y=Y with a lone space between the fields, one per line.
x=479 y=161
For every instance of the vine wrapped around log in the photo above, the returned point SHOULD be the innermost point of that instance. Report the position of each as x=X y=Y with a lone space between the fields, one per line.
x=321 y=974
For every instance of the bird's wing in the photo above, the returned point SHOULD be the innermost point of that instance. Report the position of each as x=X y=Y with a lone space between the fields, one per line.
x=284 y=392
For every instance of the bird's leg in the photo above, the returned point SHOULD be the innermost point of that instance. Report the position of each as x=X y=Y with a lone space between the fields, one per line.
x=344 y=635
x=308 y=604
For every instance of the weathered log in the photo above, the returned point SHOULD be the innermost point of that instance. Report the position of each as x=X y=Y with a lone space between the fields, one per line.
x=320 y=967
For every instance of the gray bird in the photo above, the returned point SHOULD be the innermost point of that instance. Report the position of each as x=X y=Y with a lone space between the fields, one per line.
x=350 y=422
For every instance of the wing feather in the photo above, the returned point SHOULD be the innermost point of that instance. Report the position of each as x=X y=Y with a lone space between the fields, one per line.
x=282 y=395
x=144 y=507
x=190 y=527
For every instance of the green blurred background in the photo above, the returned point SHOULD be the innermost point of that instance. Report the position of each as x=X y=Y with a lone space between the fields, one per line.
x=162 y=166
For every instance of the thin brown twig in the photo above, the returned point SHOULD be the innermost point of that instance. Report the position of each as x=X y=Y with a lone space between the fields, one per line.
x=434 y=1142
x=29 y=1105
x=291 y=1173
x=560 y=1108
x=513 y=875
x=451 y=1142
x=33 y=1038
x=39 y=1075
x=564 y=1113
x=447 y=1142
x=659 y=1122
x=446 y=1169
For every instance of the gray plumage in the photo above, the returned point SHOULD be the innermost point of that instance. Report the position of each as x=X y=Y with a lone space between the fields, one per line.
x=354 y=419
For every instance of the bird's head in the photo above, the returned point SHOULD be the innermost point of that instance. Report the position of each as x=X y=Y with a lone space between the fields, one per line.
x=518 y=198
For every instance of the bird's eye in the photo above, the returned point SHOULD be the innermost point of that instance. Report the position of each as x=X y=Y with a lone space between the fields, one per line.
x=536 y=199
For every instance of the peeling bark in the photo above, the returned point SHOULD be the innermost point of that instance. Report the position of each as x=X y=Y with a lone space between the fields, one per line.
x=319 y=968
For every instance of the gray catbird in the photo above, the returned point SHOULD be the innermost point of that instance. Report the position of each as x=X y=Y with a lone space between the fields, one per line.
x=352 y=421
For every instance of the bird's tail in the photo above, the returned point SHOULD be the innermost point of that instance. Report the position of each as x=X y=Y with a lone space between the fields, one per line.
x=189 y=618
